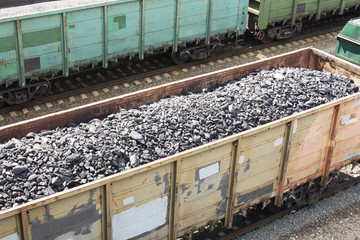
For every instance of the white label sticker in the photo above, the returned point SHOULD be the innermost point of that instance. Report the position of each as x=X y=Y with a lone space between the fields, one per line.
x=273 y=194
x=128 y=200
x=295 y=126
x=209 y=170
x=345 y=119
x=278 y=142
x=241 y=159
x=138 y=220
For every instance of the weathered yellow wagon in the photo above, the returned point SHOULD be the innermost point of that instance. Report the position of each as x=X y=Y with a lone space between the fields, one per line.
x=167 y=198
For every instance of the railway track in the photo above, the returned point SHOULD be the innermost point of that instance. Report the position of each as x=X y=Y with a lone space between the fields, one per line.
x=93 y=85
x=257 y=218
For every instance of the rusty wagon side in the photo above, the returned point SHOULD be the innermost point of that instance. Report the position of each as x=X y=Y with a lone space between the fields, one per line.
x=167 y=198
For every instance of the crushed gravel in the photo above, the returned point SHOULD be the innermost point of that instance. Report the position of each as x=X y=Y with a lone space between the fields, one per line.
x=294 y=226
x=54 y=160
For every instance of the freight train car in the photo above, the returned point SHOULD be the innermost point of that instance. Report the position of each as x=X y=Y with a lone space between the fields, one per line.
x=276 y=19
x=348 y=42
x=167 y=198
x=37 y=46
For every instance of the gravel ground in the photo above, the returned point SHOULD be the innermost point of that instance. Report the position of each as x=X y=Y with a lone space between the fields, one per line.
x=46 y=6
x=336 y=217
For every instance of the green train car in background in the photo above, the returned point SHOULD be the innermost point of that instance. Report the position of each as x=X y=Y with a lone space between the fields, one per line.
x=348 y=42
x=279 y=19
x=37 y=47
x=54 y=43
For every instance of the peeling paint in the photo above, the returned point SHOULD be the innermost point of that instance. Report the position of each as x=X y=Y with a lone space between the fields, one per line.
x=207 y=171
x=223 y=187
x=254 y=194
x=295 y=126
x=345 y=119
x=128 y=200
x=166 y=181
x=241 y=159
x=357 y=102
x=157 y=179
x=13 y=236
x=348 y=157
x=78 y=221
x=247 y=166
x=140 y=221
x=183 y=187
x=278 y=142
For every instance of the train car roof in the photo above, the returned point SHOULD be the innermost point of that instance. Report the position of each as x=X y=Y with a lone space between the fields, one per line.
x=44 y=8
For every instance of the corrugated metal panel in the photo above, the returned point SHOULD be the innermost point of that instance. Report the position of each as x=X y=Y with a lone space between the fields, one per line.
x=123 y=30
x=280 y=10
x=258 y=164
x=347 y=141
x=140 y=205
x=192 y=24
x=204 y=180
x=308 y=146
x=8 y=229
x=8 y=55
x=159 y=23
x=41 y=42
x=76 y=217
x=85 y=36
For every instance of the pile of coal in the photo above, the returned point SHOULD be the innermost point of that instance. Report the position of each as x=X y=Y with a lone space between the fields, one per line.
x=53 y=160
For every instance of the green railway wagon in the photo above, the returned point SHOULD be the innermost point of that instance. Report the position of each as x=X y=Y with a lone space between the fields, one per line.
x=348 y=42
x=278 y=19
x=55 y=43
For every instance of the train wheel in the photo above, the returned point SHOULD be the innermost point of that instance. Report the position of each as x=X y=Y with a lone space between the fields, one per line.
x=263 y=37
x=43 y=90
x=179 y=59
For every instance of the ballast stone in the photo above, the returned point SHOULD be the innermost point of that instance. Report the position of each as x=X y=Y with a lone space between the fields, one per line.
x=54 y=160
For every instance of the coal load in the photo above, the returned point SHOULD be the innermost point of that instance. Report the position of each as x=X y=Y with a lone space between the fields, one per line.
x=54 y=160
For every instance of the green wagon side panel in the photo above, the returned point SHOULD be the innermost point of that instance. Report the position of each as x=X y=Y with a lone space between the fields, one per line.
x=41 y=43
x=123 y=29
x=8 y=57
x=41 y=37
x=192 y=24
x=159 y=23
x=268 y=11
x=85 y=36
x=348 y=42
x=7 y=43
x=225 y=16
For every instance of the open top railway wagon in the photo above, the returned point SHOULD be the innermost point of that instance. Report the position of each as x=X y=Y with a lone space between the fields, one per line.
x=348 y=42
x=170 y=197
x=39 y=46
x=278 y=19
